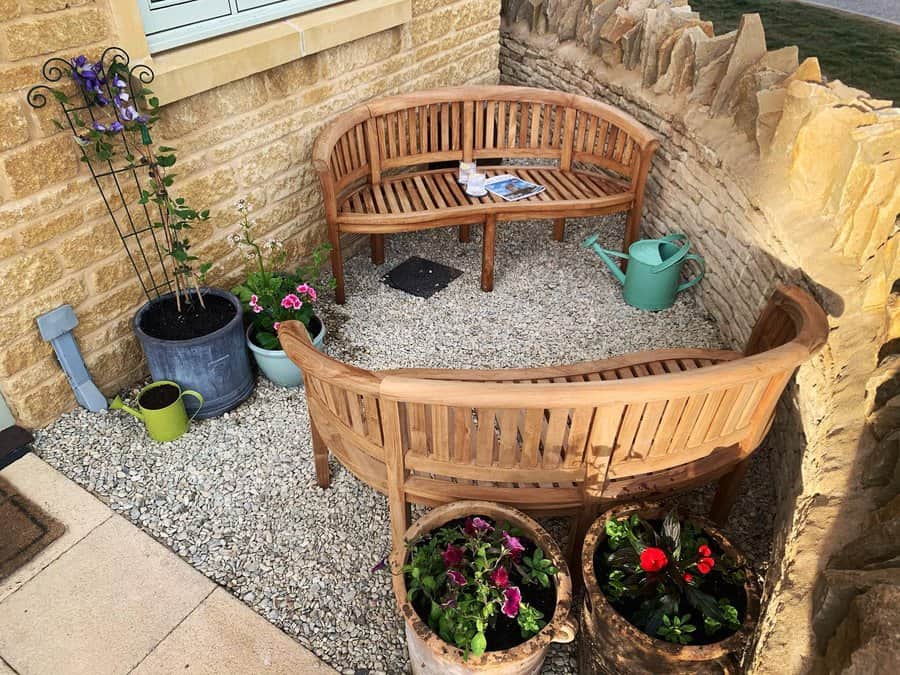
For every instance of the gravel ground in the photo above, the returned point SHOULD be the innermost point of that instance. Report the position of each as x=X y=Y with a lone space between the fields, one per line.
x=236 y=497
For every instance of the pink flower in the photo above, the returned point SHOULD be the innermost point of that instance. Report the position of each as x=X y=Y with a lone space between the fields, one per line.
x=303 y=288
x=452 y=556
x=475 y=526
x=512 y=597
x=254 y=299
x=276 y=325
x=513 y=545
x=291 y=301
x=312 y=293
x=456 y=577
x=257 y=309
x=500 y=577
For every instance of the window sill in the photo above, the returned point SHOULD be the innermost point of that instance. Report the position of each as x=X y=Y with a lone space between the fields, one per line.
x=192 y=69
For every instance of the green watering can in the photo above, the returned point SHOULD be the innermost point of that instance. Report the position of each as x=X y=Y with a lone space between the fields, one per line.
x=654 y=267
x=161 y=409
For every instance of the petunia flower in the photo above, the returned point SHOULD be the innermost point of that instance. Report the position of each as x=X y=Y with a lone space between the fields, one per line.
x=500 y=577
x=475 y=526
x=513 y=545
x=456 y=577
x=452 y=556
x=512 y=598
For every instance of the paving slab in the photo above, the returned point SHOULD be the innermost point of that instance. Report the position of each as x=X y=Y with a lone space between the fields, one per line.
x=5 y=669
x=225 y=636
x=101 y=607
x=77 y=509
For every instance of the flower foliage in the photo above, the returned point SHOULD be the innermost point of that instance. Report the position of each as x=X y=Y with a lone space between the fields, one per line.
x=660 y=580
x=271 y=296
x=468 y=577
x=117 y=130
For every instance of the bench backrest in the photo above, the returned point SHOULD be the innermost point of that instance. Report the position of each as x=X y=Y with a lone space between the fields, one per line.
x=479 y=122
x=642 y=416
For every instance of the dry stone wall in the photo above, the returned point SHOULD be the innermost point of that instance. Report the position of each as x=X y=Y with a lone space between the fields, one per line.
x=251 y=138
x=776 y=175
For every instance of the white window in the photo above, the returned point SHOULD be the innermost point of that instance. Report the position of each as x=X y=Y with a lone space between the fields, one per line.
x=172 y=23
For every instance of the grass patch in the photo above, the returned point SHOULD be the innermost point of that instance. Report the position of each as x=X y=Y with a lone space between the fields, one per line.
x=860 y=52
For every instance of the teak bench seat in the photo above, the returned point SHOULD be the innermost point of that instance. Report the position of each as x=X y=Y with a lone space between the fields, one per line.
x=562 y=439
x=373 y=164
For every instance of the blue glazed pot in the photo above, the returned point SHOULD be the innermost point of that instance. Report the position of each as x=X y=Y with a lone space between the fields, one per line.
x=276 y=365
x=216 y=364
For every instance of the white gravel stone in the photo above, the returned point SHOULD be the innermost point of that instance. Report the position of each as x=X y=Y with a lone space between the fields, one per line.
x=236 y=497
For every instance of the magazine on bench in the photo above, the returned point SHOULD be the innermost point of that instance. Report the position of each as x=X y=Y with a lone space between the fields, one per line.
x=512 y=188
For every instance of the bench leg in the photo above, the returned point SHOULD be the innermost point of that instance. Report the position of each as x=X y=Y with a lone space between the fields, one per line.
x=487 y=253
x=581 y=523
x=337 y=265
x=559 y=229
x=632 y=231
x=320 y=457
x=726 y=494
x=465 y=234
x=376 y=245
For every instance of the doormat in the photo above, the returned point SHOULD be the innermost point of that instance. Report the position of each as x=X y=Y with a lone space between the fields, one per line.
x=420 y=277
x=27 y=529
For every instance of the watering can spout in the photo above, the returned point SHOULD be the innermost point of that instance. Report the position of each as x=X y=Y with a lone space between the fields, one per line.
x=117 y=404
x=606 y=256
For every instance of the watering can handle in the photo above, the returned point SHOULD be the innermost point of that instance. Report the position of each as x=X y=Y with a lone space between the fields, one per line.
x=196 y=395
x=678 y=257
x=691 y=282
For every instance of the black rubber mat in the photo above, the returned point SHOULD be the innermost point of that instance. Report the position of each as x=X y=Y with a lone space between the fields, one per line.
x=420 y=277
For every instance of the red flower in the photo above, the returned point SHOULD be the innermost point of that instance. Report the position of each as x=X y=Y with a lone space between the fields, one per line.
x=452 y=556
x=704 y=551
x=456 y=577
x=653 y=559
x=688 y=577
x=500 y=577
x=705 y=565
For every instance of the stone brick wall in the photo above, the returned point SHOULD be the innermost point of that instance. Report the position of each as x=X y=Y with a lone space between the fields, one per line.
x=776 y=175
x=250 y=138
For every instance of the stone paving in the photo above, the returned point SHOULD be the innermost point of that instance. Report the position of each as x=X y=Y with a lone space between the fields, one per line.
x=107 y=598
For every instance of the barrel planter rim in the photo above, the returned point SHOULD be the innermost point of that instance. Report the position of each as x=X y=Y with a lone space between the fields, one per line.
x=561 y=628
x=595 y=600
x=200 y=339
x=256 y=349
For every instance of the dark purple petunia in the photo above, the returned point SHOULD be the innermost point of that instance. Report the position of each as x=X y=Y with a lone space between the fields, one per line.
x=500 y=577
x=457 y=578
x=453 y=556
x=449 y=602
x=513 y=545
x=476 y=526
x=512 y=598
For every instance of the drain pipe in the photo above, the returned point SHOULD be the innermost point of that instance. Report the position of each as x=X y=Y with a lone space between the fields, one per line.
x=56 y=328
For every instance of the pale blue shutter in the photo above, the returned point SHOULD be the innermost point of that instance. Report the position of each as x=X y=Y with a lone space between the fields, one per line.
x=172 y=23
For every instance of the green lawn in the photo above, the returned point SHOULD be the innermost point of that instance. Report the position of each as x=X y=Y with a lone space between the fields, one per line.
x=858 y=51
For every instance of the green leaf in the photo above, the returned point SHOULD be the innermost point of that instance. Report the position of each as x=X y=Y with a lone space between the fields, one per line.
x=478 y=644
x=165 y=160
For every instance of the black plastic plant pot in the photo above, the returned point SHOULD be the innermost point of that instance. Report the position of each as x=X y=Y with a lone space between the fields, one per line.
x=203 y=350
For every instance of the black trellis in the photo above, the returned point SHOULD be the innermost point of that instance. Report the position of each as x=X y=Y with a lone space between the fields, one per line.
x=147 y=259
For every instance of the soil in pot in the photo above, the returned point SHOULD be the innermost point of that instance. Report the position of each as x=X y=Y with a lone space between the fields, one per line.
x=629 y=607
x=163 y=321
x=505 y=634
x=159 y=397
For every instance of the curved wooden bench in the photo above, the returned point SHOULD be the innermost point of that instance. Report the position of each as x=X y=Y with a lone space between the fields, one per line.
x=372 y=164
x=562 y=439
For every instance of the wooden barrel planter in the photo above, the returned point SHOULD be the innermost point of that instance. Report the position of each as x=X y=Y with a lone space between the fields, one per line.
x=610 y=644
x=430 y=655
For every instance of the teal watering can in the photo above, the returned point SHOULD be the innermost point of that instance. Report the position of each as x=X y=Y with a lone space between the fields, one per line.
x=654 y=267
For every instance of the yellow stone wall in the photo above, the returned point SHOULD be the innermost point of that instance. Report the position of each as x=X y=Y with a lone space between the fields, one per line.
x=249 y=138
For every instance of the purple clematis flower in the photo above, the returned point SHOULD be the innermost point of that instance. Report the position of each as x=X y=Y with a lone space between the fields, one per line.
x=457 y=578
x=512 y=598
x=476 y=526
x=118 y=82
x=99 y=127
x=453 y=556
x=513 y=545
x=116 y=127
